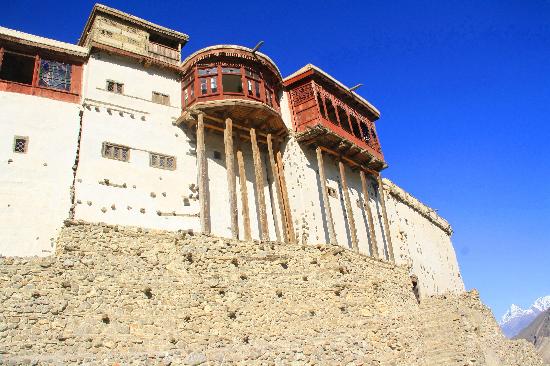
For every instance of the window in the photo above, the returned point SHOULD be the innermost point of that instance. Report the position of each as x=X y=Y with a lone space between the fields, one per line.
x=20 y=144
x=209 y=82
x=331 y=113
x=232 y=83
x=268 y=96
x=217 y=155
x=213 y=85
x=162 y=161
x=344 y=121
x=257 y=88
x=331 y=192
x=115 y=87
x=17 y=67
x=373 y=133
x=355 y=126
x=54 y=75
x=163 y=98
x=209 y=71
x=204 y=90
x=249 y=84
x=185 y=97
x=365 y=131
x=321 y=108
x=115 y=152
x=231 y=70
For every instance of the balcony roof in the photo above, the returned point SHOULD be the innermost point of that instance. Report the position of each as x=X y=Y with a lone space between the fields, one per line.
x=235 y=47
x=310 y=69
x=31 y=40
x=181 y=38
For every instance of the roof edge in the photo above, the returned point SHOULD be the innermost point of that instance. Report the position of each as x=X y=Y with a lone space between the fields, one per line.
x=43 y=42
x=182 y=37
x=353 y=94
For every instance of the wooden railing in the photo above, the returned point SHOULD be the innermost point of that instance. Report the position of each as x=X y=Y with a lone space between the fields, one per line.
x=163 y=52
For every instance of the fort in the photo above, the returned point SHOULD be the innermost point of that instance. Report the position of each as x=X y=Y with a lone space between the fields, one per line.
x=207 y=209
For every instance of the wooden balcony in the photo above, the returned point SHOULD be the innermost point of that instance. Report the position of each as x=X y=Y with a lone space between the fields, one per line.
x=163 y=53
x=326 y=114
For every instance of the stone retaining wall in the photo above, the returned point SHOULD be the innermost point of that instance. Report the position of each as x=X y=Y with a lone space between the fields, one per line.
x=134 y=296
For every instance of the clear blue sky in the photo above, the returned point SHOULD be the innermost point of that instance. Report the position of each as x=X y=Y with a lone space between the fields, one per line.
x=464 y=91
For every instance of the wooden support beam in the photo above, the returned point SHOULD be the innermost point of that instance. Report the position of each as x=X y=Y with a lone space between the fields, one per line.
x=349 y=211
x=326 y=203
x=231 y=183
x=373 y=244
x=244 y=195
x=286 y=202
x=277 y=181
x=385 y=217
x=260 y=197
x=202 y=164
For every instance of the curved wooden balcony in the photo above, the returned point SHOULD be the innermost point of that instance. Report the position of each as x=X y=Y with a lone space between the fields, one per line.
x=233 y=82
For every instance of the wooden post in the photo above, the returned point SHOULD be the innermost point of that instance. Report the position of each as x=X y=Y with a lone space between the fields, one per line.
x=276 y=179
x=326 y=203
x=349 y=211
x=203 y=176
x=373 y=244
x=260 y=197
x=231 y=183
x=385 y=217
x=286 y=202
x=244 y=195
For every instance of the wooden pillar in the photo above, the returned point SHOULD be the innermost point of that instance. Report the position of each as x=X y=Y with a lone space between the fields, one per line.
x=326 y=203
x=373 y=244
x=259 y=174
x=385 y=217
x=276 y=179
x=202 y=177
x=231 y=183
x=349 y=210
x=244 y=195
x=286 y=202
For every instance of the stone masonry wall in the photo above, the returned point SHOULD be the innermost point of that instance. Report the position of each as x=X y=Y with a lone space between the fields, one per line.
x=133 y=296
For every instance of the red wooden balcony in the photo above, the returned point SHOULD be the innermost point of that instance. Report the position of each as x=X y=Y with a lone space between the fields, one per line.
x=232 y=81
x=327 y=114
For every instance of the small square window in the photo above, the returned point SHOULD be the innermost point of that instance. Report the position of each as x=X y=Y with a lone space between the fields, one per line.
x=331 y=192
x=20 y=144
x=161 y=98
x=115 y=87
x=162 y=161
x=217 y=155
x=116 y=152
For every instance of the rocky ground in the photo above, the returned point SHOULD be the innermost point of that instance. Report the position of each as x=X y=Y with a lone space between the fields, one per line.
x=120 y=295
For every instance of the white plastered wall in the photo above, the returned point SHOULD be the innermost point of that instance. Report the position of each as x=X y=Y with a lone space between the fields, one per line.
x=35 y=186
x=133 y=120
x=422 y=240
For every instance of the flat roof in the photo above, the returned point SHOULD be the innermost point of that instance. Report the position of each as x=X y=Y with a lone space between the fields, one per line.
x=100 y=8
x=42 y=42
x=311 y=67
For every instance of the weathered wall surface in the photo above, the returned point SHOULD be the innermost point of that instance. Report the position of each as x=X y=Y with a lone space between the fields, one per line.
x=35 y=186
x=120 y=294
x=422 y=240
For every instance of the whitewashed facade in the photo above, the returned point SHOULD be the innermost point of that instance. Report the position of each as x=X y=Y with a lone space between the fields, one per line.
x=117 y=152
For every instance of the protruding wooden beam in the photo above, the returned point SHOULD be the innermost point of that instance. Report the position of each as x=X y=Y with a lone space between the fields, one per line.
x=259 y=174
x=277 y=181
x=202 y=165
x=326 y=203
x=244 y=195
x=286 y=202
x=385 y=217
x=349 y=211
x=231 y=182
x=373 y=244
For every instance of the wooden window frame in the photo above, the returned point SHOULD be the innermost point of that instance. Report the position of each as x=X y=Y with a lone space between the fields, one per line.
x=162 y=98
x=26 y=146
x=157 y=164
x=115 y=83
x=112 y=156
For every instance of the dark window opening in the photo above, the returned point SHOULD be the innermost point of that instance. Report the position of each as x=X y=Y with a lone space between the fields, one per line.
x=257 y=88
x=114 y=87
x=213 y=85
x=344 y=121
x=232 y=84
x=20 y=144
x=268 y=99
x=18 y=68
x=365 y=131
x=355 y=126
x=203 y=86
x=331 y=113
x=321 y=108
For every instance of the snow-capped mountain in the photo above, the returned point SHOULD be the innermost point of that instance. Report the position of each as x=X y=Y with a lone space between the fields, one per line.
x=516 y=318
